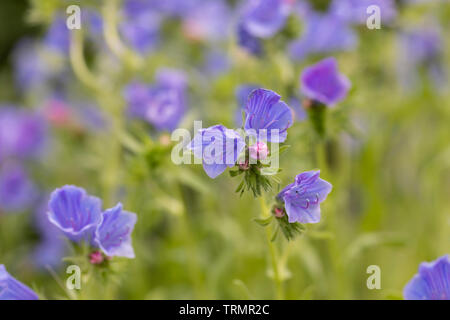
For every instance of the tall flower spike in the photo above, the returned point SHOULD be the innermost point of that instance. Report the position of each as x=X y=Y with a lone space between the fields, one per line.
x=12 y=289
x=113 y=235
x=265 y=112
x=303 y=197
x=322 y=82
x=219 y=148
x=432 y=282
x=74 y=212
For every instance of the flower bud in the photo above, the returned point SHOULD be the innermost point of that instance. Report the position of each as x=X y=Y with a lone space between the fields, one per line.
x=259 y=151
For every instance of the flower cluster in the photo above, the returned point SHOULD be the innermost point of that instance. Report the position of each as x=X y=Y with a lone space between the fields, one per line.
x=80 y=218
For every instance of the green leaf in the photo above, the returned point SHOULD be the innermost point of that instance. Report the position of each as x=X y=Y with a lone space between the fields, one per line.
x=263 y=222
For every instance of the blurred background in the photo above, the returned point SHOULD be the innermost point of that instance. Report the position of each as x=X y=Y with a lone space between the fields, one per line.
x=66 y=118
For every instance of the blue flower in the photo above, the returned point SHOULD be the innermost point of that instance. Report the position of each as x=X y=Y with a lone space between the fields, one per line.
x=303 y=197
x=264 y=18
x=113 y=234
x=218 y=147
x=74 y=212
x=22 y=133
x=242 y=93
x=248 y=42
x=17 y=191
x=323 y=33
x=431 y=283
x=355 y=11
x=265 y=112
x=322 y=82
x=58 y=36
x=141 y=24
x=163 y=104
x=11 y=289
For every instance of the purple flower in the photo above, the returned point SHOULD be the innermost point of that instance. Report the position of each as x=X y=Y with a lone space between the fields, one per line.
x=264 y=18
x=216 y=63
x=74 y=212
x=207 y=21
x=242 y=93
x=17 y=191
x=22 y=133
x=431 y=283
x=58 y=36
x=265 y=112
x=248 y=42
x=163 y=105
x=218 y=147
x=303 y=197
x=322 y=82
x=323 y=33
x=355 y=11
x=113 y=234
x=11 y=289
x=141 y=25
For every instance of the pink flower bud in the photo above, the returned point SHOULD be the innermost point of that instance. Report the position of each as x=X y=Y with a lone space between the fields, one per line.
x=279 y=212
x=259 y=151
x=96 y=257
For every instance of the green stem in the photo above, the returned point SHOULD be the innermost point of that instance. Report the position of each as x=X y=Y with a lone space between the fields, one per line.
x=112 y=36
x=273 y=253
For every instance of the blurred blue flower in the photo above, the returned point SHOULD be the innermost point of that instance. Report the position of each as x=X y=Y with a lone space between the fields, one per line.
x=323 y=33
x=216 y=63
x=303 y=197
x=249 y=43
x=11 y=289
x=163 y=104
x=218 y=147
x=264 y=18
x=264 y=113
x=431 y=283
x=113 y=234
x=17 y=191
x=141 y=24
x=322 y=82
x=242 y=93
x=58 y=36
x=207 y=21
x=421 y=51
x=355 y=11
x=74 y=212
x=22 y=133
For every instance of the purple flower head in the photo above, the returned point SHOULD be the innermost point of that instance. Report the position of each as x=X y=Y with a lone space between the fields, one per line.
x=216 y=63
x=113 y=234
x=242 y=93
x=58 y=36
x=17 y=191
x=22 y=133
x=11 y=289
x=264 y=18
x=74 y=212
x=355 y=11
x=303 y=197
x=266 y=112
x=208 y=21
x=219 y=148
x=322 y=82
x=164 y=104
x=431 y=283
x=324 y=33
x=248 y=42
x=141 y=25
